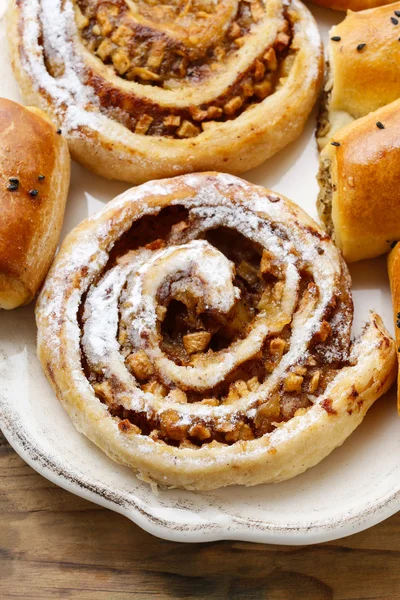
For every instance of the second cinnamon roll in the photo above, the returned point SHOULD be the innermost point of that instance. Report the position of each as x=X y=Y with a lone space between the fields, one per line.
x=145 y=90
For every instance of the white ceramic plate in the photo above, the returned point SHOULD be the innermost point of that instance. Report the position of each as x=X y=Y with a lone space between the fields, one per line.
x=357 y=486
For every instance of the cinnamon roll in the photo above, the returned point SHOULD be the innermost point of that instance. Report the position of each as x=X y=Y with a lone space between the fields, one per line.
x=198 y=329
x=145 y=90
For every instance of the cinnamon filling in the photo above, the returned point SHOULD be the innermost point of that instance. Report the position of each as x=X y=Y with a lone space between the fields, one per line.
x=173 y=45
x=190 y=334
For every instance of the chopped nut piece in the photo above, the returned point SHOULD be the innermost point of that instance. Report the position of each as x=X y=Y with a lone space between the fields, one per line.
x=127 y=427
x=233 y=105
x=245 y=432
x=259 y=70
x=121 y=61
x=140 y=365
x=236 y=391
x=210 y=401
x=122 y=35
x=200 y=431
x=314 y=383
x=156 y=388
x=282 y=40
x=300 y=370
x=188 y=444
x=263 y=89
x=187 y=130
x=142 y=126
x=177 y=395
x=323 y=333
x=196 y=342
x=240 y=41
x=172 y=121
x=267 y=264
x=234 y=31
x=219 y=53
x=267 y=413
x=156 y=54
x=161 y=311
x=212 y=112
x=277 y=347
x=144 y=74
x=271 y=60
x=96 y=30
x=293 y=383
x=171 y=425
x=247 y=89
x=105 y=49
x=248 y=272
x=253 y=384
x=104 y=392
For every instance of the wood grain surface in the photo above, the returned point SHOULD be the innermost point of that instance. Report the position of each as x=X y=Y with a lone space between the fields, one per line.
x=56 y=545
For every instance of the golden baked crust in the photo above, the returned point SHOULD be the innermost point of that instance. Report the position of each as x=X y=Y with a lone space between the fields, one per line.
x=359 y=197
x=394 y=278
x=32 y=206
x=351 y=4
x=144 y=90
x=198 y=330
x=364 y=68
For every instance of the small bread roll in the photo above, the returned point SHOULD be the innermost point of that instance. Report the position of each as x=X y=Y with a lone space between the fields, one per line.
x=359 y=199
x=394 y=278
x=350 y=4
x=364 y=68
x=34 y=180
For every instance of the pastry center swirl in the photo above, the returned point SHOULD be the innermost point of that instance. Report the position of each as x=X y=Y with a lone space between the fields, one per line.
x=209 y=326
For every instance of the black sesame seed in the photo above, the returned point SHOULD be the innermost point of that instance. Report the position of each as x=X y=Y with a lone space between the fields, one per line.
x=397 y=13
x=392 y=245
x=14 y=180
x=41 y=177
x=394 y=20
x=398 y=349
x=380 y=125
x=335 y=144
x=398 y=315
x=12 y=187
x=361 y=47
x=398 y=324
x=58 y=131
x=336 y=38
x=33 y=193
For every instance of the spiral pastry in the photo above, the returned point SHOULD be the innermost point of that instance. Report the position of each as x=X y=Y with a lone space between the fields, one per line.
x=197 y=329
x=144 y=90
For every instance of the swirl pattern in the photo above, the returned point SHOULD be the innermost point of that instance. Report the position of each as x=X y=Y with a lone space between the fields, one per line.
x=155 y=85
x=205 y=315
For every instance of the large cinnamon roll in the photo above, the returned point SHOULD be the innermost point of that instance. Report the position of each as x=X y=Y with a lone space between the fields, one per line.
x=198 y=329
x=146 y=90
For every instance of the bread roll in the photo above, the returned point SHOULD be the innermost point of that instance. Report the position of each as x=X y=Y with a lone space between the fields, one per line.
x=350 y=4
x=364 y=68
x=394 y=278
x=359 y=199
x=35 y=171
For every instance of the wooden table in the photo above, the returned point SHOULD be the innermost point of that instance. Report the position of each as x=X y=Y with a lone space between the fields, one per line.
x=56 y=545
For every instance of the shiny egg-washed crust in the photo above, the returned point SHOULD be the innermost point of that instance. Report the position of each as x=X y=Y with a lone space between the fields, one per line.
x=30 y=223
x=293 y=446
x=360 y=79
x=359 y=198
x=98 y=141
x=394 y=278
x=350 y=5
